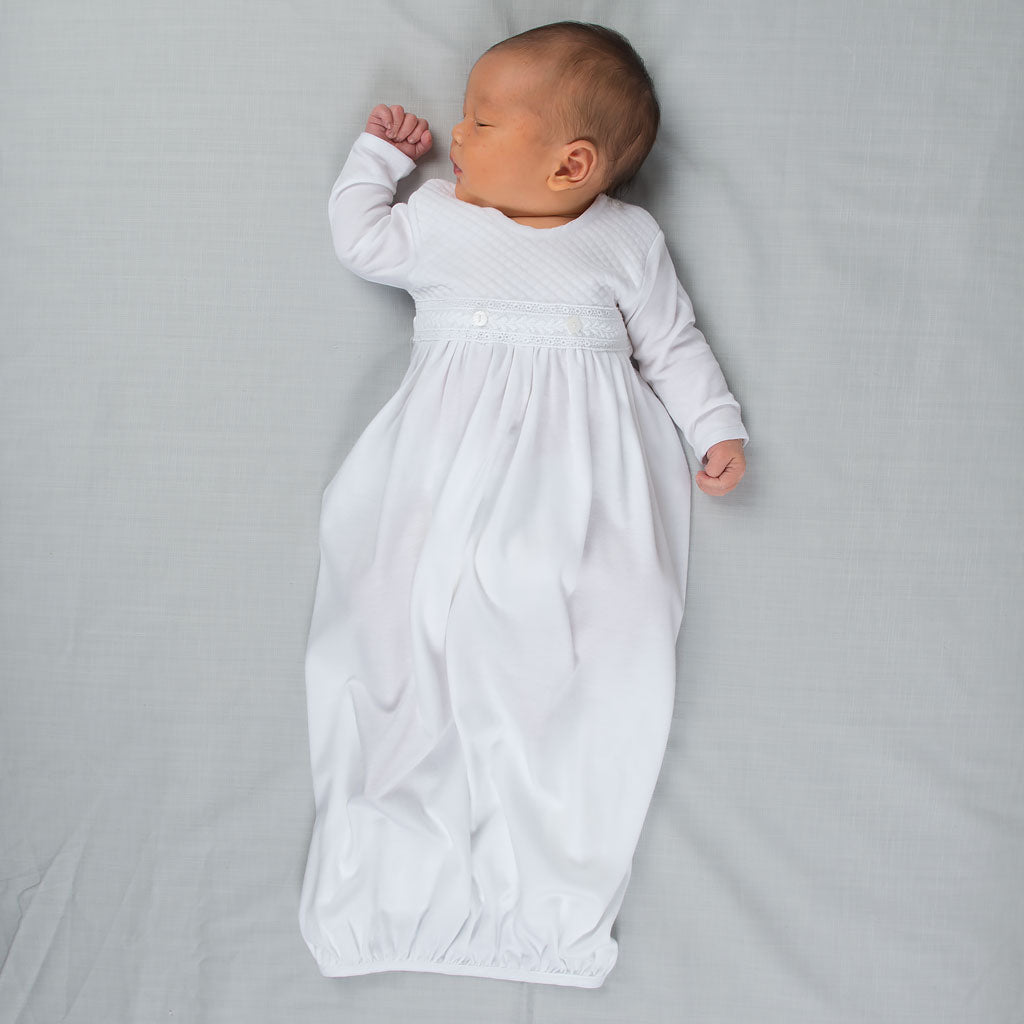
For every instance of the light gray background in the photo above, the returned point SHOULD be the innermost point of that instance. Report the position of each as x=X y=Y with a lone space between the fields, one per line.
x=838 y=832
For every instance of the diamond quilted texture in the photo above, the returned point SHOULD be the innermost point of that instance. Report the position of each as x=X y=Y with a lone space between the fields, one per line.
x=483 y=254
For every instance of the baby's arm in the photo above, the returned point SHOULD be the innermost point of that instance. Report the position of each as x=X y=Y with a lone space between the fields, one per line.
x=371 y=237
x=676 y=360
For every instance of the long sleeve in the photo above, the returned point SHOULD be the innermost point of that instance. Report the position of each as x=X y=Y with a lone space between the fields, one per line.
x=675 y=358
x=372 y=238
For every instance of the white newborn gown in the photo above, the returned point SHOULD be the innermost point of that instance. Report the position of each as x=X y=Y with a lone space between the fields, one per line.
x=491 y=661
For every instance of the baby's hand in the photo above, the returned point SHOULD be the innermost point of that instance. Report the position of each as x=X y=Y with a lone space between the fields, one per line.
x=406 y=132
x=725 y=464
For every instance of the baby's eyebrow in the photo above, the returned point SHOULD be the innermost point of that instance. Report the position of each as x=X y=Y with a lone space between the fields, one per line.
x=481 y=101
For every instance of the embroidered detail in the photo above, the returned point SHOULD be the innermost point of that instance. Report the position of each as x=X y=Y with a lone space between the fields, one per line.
x=514 y=322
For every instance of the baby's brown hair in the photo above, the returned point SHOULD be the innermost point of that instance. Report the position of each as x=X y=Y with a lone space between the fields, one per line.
x=596 y=88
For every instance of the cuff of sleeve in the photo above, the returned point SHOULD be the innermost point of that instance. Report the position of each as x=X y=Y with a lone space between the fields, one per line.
x=399 y=164
x=713 y=436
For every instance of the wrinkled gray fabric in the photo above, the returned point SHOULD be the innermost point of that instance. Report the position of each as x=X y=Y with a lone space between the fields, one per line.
x=838 y=830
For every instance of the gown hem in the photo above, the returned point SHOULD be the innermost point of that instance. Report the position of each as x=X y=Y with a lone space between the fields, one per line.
x=331 y=968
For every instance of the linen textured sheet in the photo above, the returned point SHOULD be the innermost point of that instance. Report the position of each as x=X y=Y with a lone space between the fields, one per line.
x=837 y=832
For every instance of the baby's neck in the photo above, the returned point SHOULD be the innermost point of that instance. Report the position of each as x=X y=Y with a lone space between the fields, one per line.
x=551 y=220
x=543 y=222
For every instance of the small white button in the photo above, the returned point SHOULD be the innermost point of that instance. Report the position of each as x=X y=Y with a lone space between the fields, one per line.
x=574 y=325
x=480 y=317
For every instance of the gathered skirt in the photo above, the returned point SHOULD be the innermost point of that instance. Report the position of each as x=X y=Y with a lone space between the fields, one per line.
x=491 y=664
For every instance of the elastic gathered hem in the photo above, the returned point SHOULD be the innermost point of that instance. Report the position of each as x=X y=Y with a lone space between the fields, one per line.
x=330 y=968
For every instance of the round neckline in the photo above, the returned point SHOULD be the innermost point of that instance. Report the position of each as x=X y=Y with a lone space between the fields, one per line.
x=514 y=225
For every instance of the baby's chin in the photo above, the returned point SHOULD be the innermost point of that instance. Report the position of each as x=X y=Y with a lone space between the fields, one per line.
x=461 y=192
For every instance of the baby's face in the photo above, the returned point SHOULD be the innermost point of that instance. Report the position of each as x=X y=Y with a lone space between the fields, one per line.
x=501 y=148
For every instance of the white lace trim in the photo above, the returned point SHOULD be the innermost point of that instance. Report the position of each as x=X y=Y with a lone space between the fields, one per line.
x=521 y=323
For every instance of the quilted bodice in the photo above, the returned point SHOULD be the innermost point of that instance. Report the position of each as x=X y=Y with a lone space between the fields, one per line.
x=595 y=260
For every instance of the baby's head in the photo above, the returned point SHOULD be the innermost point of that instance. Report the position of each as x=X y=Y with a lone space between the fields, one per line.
x=552 y=117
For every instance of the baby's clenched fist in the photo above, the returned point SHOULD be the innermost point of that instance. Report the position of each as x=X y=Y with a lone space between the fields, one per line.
x=725 y=465
x=407 y=132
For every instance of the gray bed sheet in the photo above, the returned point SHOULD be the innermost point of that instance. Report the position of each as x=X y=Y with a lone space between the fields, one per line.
x=837 y=836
